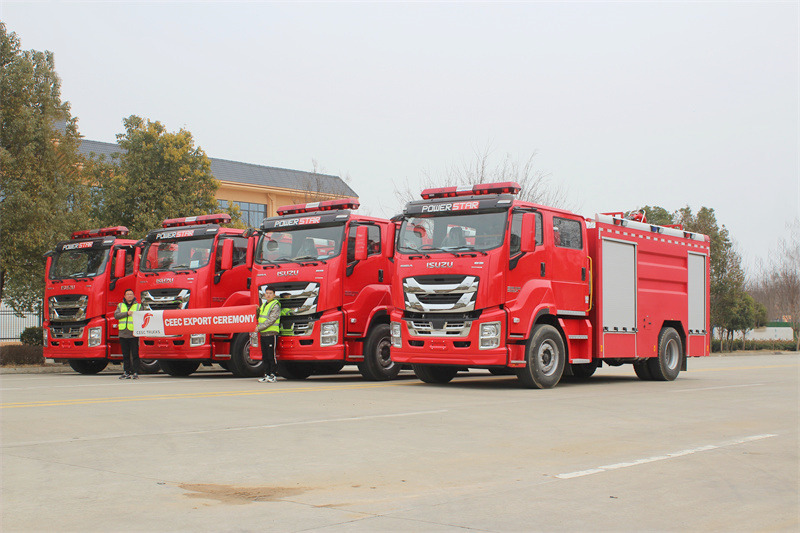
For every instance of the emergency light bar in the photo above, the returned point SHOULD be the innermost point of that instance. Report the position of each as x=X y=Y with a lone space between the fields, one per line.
x=103 y=232
x=470 y=190
x=328 y=205
x=218 y=218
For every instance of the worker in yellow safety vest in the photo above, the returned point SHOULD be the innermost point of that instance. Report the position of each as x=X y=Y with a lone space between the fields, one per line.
x=269 y=314
x=128 y=343
x=286 y=330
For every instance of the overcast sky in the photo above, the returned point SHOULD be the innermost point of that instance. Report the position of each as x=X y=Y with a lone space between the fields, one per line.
x=626 y=104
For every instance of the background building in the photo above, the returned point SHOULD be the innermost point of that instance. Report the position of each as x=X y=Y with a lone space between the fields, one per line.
x=258 y=190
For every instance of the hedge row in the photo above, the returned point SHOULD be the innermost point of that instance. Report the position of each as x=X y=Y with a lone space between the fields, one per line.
x=783 y=346
x=21 y=354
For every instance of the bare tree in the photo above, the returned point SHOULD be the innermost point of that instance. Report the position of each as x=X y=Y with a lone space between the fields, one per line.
x=536 y=184
x=319 y=186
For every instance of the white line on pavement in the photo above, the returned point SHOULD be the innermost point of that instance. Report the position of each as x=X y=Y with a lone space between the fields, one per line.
x=690 y=451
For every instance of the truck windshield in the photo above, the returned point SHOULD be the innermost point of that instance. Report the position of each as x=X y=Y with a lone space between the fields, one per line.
x=452 y=233
x=79 y=263
x=176 y=254
x=306 y=244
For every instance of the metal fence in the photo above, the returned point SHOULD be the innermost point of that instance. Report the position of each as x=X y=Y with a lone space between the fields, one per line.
x=12 y=325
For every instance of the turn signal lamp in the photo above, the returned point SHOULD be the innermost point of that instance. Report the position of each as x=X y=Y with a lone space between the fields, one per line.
x=329 y=205
x=218 y=218
x=103 y=232
x=470 y=190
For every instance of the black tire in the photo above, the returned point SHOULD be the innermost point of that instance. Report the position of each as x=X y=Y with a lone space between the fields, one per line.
x=88 y=366
x=667 y=365
x=240 y=364
x=642 y=369
x=583 y=371
x=179 y=368
x=293 y=370
x=435 y=373
x=149 y=366
x=322 y=369
x=378 y=364
x=545 y=358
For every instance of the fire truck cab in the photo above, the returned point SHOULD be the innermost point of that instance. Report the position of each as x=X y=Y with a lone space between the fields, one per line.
x=331 y=272
x=192 y=263
x=484 y=280
x=87 y=277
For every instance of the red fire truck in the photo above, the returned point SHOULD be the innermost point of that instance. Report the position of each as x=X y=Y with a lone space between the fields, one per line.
x=194 y=263
x=484 y=280
x=86 y=279
x=331 y=271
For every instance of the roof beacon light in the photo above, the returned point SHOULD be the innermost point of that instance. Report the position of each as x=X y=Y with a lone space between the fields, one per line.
x=218 y=218
x=481 y=188
x=103 y=232
x=328 y=205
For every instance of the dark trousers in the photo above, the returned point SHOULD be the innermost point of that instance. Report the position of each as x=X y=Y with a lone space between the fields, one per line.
x=267 y=343
x=130 y=354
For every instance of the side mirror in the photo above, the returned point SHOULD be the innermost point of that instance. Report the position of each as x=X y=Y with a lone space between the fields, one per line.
x=528 y=242
x=119 y=264
x=227 y=254
x=251 y=251
x=137 y=258
x=361 y=243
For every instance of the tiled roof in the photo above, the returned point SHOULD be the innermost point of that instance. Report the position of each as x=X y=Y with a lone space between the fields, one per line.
x=234 y=171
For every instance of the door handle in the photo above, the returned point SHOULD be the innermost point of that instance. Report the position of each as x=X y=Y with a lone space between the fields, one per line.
x=380 y=275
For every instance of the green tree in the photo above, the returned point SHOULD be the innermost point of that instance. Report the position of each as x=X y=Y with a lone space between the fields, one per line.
x=42 y=193
x=156 y=175
x=657 y=215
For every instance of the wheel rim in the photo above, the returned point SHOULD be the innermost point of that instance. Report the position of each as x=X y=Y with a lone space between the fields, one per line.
x=246 y=355
x=671 y=354
x=547 y=357
x=384 y=354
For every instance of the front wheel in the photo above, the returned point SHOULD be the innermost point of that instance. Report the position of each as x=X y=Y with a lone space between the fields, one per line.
x=667 y=365
x=88 y=366
x=240 y=363
x=435 y=373
x=149 y=366
x=378 y=364
x=545 y=358
x=291 y=370
x=179 y=368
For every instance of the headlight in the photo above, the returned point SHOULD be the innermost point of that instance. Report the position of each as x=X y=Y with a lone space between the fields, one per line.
x=51 y=307
x=95 y=336
x=329 y=334
x=490 y=335
x=44 y=336
x=197 y=339
x=254 y=340
x=394 y=328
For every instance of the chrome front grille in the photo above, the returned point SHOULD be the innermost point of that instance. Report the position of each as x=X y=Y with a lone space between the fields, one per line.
x=160 y=299
x=68 y=306
x=66 y=332
x=440 y=294
x=298 y=329
x=440 y=328
x=300 y=297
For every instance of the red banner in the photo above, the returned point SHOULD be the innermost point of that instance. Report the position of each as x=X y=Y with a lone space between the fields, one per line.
x=185 y=321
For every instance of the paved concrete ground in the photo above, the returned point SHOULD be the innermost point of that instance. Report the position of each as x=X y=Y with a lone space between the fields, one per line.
x=715 y=450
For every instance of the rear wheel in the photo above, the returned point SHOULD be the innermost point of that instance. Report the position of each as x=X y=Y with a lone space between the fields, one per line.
x=667 y=365
x=435 y=373
x=241 y=364
x=292 y=370
x=378 y=364
x=149 y=366
x=545 y=358
x=88 y=366
x=583 y=371
x=327 y=368
x=642 y=369
x=179 y=368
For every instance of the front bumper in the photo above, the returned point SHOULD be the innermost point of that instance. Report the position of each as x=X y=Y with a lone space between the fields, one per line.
x=450 y=349
x=309 y=347
x=64 y=345
x=173 y=348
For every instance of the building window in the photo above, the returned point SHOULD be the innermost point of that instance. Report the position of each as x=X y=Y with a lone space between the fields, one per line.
x=252 y=214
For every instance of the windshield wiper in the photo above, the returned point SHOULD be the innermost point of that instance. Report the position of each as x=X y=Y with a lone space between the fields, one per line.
x=300 y=259
x=468 y=249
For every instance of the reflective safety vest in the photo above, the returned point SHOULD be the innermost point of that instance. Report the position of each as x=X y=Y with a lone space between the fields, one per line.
x=127 y=321
x=263 y=313
x=287 y=330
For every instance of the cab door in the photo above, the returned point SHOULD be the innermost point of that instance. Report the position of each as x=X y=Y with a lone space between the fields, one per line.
x=364 y=281
x=568 y=267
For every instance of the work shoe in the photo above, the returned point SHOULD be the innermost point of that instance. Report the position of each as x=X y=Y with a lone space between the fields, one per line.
x=264 y=379
x=125 y=376
x=272 y=378
x=135 y=376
